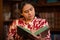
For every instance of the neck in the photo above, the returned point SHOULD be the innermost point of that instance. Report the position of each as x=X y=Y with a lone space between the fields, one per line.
x=27 y=21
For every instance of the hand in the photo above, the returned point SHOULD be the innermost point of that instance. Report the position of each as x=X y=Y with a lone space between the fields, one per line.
x=38 y=37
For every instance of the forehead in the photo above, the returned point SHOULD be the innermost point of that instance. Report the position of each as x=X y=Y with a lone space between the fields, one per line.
x=27 y=7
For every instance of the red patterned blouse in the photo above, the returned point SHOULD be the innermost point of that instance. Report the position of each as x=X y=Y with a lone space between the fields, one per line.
x=33 y=25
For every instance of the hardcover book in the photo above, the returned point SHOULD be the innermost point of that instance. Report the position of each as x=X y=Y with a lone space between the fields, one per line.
x=26 y=33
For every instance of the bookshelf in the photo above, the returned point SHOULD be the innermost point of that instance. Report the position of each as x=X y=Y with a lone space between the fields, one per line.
x=53 y=20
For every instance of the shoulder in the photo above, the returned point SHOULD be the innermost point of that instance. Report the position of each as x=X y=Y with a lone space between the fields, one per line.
x=39 y=19
x=14 y=24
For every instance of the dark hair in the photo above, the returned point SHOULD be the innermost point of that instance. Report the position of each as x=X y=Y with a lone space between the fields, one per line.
x=22 y=4
x=17 y=15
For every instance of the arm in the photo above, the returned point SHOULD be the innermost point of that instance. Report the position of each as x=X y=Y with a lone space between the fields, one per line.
x=12 y=31
x=46 y=34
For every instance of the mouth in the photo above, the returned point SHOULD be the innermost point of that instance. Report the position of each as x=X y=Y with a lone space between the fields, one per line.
x=31 y=16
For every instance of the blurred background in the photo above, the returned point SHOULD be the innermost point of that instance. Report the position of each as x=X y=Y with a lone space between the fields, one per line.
x=48 y=9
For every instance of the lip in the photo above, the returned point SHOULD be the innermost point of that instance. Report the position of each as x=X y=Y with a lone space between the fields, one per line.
x=30 y=16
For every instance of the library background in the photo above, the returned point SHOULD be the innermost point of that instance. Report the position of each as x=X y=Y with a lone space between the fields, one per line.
x=48 y=9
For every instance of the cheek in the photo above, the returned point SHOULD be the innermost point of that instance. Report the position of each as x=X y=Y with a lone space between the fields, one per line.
x=25 y=15
x=33 y=12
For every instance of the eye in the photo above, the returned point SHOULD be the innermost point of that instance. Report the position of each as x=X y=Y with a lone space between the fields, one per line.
x=26 y=11
x=31 y=9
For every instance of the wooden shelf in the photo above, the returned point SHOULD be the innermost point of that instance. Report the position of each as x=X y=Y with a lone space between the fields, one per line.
x=50 y=4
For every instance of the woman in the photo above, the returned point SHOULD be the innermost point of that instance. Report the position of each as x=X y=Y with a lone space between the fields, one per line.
x=28 y=21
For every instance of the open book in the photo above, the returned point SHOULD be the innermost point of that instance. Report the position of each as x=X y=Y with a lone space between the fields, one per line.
x=26 y=32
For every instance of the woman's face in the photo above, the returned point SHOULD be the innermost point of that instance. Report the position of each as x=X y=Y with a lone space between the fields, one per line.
x=28 y=11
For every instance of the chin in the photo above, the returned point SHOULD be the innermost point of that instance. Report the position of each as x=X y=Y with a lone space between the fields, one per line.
x=30 y=18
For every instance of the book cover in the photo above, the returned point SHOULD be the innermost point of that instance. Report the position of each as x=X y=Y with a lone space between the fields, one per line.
x=25 y=32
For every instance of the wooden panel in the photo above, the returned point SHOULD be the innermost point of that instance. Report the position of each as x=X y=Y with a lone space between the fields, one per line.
x=57 y=21
x=1 y=20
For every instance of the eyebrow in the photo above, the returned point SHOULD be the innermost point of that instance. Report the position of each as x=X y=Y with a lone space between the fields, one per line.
x=28 y=9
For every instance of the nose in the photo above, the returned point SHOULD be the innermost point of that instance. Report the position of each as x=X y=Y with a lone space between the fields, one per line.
x=30 y=13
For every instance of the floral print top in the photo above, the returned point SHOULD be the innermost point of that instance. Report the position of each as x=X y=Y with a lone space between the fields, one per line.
x=35 y=24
